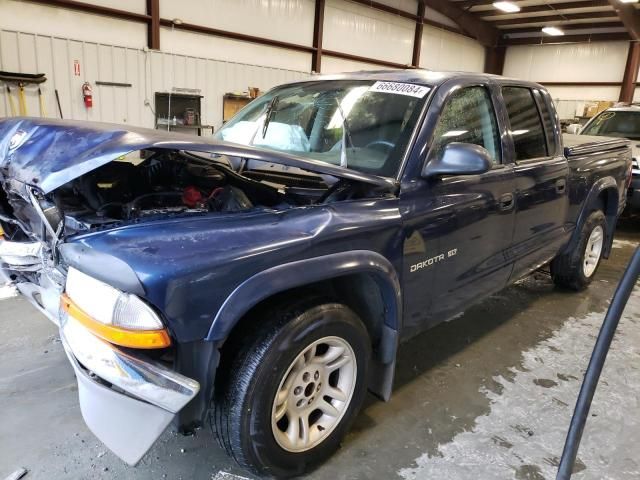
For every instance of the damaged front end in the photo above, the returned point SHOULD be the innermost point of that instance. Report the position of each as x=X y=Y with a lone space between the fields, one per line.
x=61 y=181
x=31 y=229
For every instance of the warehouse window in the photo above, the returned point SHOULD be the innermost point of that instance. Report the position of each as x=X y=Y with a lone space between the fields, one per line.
x=526 y=126
x=468 y=117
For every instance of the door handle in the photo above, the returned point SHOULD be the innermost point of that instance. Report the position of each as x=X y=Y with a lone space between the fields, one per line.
x=506 y=202
x=561 y=185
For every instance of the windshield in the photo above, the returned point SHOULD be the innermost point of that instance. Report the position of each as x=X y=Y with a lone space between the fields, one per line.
x=363 y=125
x=615 y=124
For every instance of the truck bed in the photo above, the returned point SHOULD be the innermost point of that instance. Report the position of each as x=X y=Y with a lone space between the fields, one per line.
x=577 y=145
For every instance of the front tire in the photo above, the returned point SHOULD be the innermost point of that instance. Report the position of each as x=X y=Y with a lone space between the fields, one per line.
x=290 y=394
x=576 y=269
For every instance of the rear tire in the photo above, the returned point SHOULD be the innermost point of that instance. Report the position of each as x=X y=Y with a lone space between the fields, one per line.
x=576 y=269
x=284 y=369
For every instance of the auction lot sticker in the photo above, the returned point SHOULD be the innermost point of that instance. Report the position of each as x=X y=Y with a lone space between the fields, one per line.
x=400 y=89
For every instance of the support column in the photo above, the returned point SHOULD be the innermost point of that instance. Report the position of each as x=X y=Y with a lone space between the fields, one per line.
x=318 y=23
x=153 y=27
x=630 y=73
x=417 y=39
x=494 y=59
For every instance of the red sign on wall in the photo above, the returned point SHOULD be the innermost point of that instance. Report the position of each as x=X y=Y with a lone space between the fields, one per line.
x=76 y=68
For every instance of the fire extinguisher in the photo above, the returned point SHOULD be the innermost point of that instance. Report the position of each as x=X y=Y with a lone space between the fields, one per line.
x=87 y=94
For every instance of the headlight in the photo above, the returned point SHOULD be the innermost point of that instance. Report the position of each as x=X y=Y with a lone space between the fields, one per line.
x=115 y=316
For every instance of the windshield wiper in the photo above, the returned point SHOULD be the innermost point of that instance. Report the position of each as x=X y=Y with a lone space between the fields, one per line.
x=346 y=133
x=271 y=110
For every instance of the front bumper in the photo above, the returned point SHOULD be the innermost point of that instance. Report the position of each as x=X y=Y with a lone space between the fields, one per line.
x=28 y=258
x=125 y=401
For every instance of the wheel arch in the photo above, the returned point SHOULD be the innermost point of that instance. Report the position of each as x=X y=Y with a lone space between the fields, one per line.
x=604 y=195
x=363 y=280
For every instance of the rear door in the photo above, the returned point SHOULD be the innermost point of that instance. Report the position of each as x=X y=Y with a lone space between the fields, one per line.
x=457 y=228
x=541 y=178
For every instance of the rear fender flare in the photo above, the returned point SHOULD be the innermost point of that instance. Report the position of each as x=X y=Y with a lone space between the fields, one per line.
x=601 y=185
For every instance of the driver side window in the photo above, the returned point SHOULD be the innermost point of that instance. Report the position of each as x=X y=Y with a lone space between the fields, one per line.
x=468 y=117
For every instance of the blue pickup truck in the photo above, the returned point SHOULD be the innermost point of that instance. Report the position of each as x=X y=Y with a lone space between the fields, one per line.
x=266 y=277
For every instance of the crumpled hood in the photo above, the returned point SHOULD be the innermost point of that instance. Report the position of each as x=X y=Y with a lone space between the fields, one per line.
x=49 y=153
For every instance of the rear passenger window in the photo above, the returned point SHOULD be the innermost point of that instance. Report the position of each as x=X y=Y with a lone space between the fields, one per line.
x=526 y=127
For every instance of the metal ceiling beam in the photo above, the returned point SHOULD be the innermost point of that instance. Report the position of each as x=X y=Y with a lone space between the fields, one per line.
x=472 y=3
x=482 y=31
x=594 y=37
x=554 y=18
x=629 y=16
x=567 y=27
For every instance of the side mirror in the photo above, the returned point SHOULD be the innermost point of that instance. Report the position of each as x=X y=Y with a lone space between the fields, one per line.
x=458 y=159
x=574 y=128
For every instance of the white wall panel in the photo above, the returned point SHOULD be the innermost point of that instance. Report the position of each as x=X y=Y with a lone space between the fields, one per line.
x=135 y=6
x=444 y=50
x=287 y=20
x=578 y=62
x=360 y=30
x=60 y=22
x=147 y=72
x=409 y=6
x=338 y=65
x=576 y=92
x=187 y=43
x=435 y=16
x=570 y=100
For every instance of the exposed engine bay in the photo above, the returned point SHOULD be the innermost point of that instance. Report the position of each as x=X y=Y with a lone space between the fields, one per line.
x=165 y=182
x=156 y=183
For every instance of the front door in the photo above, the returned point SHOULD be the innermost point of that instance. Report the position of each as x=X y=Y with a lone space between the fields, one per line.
x=457 y=228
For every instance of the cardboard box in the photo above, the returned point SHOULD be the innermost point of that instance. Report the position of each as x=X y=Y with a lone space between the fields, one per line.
x=591 y=109
x=604 y=105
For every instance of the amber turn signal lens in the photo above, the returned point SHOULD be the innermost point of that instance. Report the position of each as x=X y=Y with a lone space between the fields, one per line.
x=145 y=339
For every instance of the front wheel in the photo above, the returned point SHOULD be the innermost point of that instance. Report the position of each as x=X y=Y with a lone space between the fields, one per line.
x=576 y=269
x=293 y=389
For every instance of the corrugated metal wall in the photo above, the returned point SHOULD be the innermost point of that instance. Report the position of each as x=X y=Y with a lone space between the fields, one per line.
x=579 y=62
x=147 y=72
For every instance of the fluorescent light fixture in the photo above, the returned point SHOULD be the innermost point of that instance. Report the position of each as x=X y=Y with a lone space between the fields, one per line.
x=508 y=7
x=553 y=31
x=519 y=132
x=454 y=133
x=628 y=1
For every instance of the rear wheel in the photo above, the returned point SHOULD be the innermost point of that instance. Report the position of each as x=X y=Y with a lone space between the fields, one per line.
x=291 y=392
x=576 y=269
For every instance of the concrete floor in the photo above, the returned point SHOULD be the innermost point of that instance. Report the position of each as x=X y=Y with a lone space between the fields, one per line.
x=488 y=395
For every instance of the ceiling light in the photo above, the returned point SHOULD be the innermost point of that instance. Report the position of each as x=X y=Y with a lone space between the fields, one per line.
x=508 y=7
x=553 y=31
x=628 y=1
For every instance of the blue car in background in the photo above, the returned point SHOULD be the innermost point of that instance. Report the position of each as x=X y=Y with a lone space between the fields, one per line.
x=267 y=276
